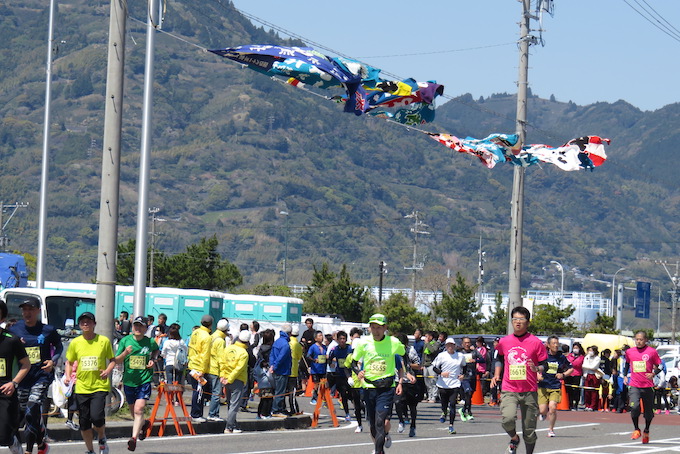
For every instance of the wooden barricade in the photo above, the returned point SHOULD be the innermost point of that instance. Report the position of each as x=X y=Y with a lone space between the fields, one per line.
x=170 y=392
x=324 y=396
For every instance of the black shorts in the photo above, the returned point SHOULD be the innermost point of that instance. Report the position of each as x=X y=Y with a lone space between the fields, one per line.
x=9 y=419
x=91 y=409
x=316 y=378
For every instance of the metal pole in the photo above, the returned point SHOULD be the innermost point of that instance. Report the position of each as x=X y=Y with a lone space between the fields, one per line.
x=380 y=288
x=108 y=208
x=517 y=210
x=285 y=252
x=614 y=286
x=139 y=300
x=44 y=175
x=619 y=307
x=153 y=212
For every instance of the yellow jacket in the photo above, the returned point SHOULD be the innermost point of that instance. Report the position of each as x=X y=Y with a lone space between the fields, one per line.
x=199 y=350
x=234 y=363
x=216 y=350
x=296 y=354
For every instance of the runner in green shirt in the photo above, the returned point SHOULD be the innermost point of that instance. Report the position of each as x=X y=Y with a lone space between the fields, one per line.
x=138 y=353
x=379 y=354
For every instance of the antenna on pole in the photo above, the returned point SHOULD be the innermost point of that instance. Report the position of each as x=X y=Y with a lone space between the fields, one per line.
x=418 y=225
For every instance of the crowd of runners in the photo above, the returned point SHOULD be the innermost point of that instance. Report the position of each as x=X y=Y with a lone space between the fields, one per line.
x=380 y=375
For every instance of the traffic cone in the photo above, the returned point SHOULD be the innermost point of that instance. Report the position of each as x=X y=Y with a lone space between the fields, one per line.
x=309 y=390
x=564 y=402
x=478 y=396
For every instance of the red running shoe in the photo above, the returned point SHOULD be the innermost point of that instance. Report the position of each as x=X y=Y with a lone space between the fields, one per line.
x=645 y=438
x=636 y=434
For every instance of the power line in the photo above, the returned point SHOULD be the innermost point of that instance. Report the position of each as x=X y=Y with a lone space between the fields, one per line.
x=653 y=20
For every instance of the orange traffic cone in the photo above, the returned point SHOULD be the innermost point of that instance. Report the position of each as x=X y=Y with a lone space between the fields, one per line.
x=309 y=390
x=564 y=402
x=478 y=396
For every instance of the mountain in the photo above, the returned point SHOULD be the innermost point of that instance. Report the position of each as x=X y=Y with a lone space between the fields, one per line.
x=232 y=149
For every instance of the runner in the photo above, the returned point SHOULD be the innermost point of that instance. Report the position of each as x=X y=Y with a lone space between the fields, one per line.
x=520 y=355
x=338 y=378
x=642 y=362
x=469 y=382
x=316 y=356
x=448 y=365
x=44 y=348
x=11 y=351
x=549 y=383
x=379 y=369
x=353 y=381
x=138 y=355
x=95 y=359
x=407 y=402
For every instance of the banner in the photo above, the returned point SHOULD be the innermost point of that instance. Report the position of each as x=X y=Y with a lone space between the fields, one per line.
x=642 y=299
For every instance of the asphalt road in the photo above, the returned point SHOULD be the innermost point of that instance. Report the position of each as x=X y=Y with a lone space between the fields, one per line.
x=577 y=433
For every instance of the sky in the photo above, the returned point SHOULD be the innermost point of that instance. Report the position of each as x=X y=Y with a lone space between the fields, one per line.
x=595 y=50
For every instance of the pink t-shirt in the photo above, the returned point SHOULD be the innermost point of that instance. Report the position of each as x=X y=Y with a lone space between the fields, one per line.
x=641 y=361
x=518 y=377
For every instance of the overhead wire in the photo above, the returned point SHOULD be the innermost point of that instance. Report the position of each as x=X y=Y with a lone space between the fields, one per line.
x=649 y=17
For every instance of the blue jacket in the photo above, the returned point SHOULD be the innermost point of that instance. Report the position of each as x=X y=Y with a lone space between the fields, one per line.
x=280 y=358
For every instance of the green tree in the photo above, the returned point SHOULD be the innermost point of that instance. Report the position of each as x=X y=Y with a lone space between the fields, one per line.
x=497 y=323
x=603 y=324
x=549 y=319
x=337 y=294
x=268 y=289
x=458 y=311
x=402 y=317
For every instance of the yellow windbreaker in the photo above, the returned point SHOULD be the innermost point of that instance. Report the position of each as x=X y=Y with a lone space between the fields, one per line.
x=234 y=363
x=199 y=350
x=216 y=350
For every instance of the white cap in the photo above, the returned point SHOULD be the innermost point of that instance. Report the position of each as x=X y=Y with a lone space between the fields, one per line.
x=295 y=330
x=223 y=325
x=450 y=341
x=286 y=328
x=244 y=336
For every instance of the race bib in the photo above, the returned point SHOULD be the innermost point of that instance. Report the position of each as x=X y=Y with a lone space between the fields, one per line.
x=137 y=362
x=88 y=363
x=639 y=366
x=518 y=372
x=3 y=367
x=33 y=354
x=321 y=359
x=552 y=368
x=378 y=367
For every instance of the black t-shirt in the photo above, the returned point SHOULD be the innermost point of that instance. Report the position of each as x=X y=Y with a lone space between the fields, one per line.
x=11 y=351
x=308 y=338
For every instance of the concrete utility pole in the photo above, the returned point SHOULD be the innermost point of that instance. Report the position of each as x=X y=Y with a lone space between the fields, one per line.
x=383 y=270
x=139 y=299
x=153 y=211
x=285 y=253
x=108 y=206
x=416 y=229
x=4 y=240
x=44 y=175
x=517 y=203
x=480 y=277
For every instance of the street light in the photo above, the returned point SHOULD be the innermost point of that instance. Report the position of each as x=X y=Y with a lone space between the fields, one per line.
x=613 y=290
x=285 y=255
x=383 y=270
x=561 y=268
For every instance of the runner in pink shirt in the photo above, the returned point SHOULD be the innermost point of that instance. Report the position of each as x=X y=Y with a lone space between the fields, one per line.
x=642 y=362
x=521 y=356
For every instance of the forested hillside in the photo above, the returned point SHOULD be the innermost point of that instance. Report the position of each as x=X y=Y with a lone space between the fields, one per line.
x=232 y=149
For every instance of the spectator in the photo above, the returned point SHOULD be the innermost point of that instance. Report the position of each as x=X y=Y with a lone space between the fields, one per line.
x=174 y=349
x=280 y=363
x=151 y=327
x=234 y=375
x=296 y=357
x=199 y=366
x=430 y=352
x=217 y=345
x=265 y=380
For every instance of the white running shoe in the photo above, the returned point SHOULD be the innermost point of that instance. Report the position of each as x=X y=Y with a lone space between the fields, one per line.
x=358 y=430
x=16 y=447
x=400 y=429
x=388 y=441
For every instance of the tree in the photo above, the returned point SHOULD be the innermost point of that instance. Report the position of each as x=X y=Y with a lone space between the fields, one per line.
x=603 y=324
x=402 y=317
x=329 y=293
x=549 y=319
x=458 y=311
x=268 y=289
x=497 y=323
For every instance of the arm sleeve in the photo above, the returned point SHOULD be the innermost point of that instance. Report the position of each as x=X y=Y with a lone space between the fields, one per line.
x=58 y=346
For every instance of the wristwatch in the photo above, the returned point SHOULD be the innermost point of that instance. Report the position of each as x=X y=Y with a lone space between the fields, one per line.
x=16 y=385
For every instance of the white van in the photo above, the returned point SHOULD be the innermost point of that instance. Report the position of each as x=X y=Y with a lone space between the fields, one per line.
x=668 y=349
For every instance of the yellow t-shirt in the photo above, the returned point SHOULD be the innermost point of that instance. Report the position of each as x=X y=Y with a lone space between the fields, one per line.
x=93 y=356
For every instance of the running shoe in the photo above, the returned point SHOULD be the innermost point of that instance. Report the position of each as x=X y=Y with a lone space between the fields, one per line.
x=668 y=412
x=313 y=401
x=400 y=428
x=232 y=431
x=442 y=418
x=348 y=418
x=658 y=411
x=132 y=444
x=462 y=415
x=645 y=437
x=216 y=418
x=200 y=419
x=451 y=429
x=45 y=449
x=551 y=433
x=72 y=425
x=512 y=446
x=412 y=432
x=358 y=430
x=388 y=440
x=541 y=417
x=103 y=447
x=16 y=447
x=636 y=434
x=470 y=417
x=145 y=428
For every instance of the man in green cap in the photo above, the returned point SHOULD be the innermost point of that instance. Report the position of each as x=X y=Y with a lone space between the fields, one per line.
x=378 y=354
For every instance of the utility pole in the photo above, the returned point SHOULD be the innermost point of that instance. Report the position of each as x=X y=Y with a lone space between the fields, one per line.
x=4 y=240
x=480 y=277
x=383 y=270
x=674 y=297
x=418 y=225
x=108 y=206
x=285 y=254
x=44 y=174
x=153 y=211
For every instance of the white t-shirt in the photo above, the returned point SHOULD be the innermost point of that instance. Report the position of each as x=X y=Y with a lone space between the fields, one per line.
x=453 y=364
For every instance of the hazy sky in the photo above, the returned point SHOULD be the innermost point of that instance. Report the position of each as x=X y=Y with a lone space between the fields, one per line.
x=595 y=50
